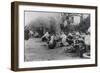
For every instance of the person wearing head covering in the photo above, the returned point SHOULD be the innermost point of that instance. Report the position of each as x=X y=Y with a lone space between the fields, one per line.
x=52 y=42
x=63 y=39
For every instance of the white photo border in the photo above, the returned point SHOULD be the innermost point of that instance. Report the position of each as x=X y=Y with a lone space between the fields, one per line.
x=34 y=64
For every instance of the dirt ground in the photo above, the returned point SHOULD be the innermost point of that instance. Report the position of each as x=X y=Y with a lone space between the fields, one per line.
x=36 y=50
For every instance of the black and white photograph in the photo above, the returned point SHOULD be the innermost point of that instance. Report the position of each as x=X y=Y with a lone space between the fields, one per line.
x=56 y=36
x=53 y=36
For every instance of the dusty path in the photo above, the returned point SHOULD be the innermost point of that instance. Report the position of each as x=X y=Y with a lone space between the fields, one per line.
x=36 y=50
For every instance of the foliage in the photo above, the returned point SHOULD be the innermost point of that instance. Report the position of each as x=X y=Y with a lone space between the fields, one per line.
x=84 y=25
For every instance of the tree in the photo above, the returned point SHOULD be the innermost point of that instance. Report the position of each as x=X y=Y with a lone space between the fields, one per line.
x=84 y=25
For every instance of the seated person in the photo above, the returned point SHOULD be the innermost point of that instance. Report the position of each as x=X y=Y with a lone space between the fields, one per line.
x=45 y=37
x=70 y=39
x=63 y=39
x=36 y=34
x=52 y=42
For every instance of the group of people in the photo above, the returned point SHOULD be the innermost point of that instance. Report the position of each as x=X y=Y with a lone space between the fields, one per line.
x=29 y=34
x=52 y=39
x=79 y=41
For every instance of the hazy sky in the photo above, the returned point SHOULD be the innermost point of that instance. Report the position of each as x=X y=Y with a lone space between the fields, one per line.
x=32 y=16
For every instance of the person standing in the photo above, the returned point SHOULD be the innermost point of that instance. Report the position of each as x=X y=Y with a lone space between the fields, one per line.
x=87 y=41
